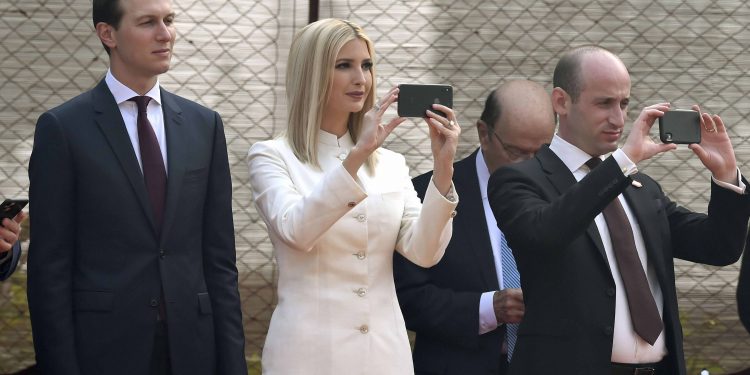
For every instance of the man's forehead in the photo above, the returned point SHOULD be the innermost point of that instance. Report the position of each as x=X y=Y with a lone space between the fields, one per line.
x=142 y=8
x=605 y=85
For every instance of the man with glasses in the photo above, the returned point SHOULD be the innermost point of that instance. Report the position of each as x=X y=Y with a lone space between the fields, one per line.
x=466 y=308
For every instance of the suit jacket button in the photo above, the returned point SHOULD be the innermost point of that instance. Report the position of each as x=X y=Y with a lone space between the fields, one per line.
x=608 y=330
x=154 y=302
x=611 y=292
x=351 y=204
x=364 y=329
x=161 y=253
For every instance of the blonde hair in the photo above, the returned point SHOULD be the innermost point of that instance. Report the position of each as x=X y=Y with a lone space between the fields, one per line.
x=309 y=73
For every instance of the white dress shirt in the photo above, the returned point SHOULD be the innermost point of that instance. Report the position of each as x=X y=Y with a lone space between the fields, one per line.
x=487 y=319
x=129 y=112
x=627 y=346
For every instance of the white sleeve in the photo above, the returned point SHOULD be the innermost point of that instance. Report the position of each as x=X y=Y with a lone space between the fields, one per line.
x=298 y=220
x=426 y=228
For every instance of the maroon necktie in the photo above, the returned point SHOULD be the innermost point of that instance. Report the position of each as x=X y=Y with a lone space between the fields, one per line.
x=644 y=314
x=154 y=173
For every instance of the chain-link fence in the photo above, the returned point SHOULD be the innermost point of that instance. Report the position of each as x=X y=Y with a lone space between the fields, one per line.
x=231 y=55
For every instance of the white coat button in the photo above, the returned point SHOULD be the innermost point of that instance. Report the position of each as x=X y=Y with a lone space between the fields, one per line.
x=361 y=218
x=361 y=292
x=364 y=329
x=342 y=156
x=361 y=255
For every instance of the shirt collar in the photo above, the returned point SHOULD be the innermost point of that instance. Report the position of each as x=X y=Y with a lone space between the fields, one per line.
x=483 y=173
x=573 y=157
x=122 y=93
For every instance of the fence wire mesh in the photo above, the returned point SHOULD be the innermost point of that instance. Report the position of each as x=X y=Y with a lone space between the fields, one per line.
x=231 y=56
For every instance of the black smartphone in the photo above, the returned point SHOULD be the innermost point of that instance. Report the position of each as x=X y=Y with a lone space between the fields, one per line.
x=12 y=207
x=682 y=126
x=414 y=100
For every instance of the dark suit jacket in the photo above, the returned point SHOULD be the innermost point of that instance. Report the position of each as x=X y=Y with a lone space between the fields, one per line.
x=11 y=261
x=96 y=264
x=743 y=290
x=568 y=288
x=441 y=304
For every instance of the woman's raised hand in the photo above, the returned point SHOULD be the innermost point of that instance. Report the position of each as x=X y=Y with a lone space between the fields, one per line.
x=444 y=133
x=373 y=132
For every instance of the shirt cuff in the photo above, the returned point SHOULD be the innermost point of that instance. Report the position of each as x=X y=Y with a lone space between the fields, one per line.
x=739 y=188
x=487 y=319
x=626 y=165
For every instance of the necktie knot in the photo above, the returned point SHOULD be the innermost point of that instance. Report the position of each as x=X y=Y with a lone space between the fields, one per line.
x=593 y=163
x=141 y=102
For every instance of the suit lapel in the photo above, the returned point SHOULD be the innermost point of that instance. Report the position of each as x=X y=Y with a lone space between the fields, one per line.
x=176 y=157
x=109 y=120
x=467 y=185
x=562 y=179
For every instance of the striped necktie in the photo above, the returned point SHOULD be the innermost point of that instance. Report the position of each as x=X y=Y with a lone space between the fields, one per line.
x=511 y=279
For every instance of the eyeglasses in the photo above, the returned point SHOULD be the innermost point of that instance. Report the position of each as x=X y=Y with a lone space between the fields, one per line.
x=514 y=153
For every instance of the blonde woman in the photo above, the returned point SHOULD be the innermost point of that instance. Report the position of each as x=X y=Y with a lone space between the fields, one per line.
x=337 y=205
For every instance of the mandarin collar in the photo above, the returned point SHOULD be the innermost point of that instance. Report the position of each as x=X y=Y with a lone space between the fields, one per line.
x=329 y=139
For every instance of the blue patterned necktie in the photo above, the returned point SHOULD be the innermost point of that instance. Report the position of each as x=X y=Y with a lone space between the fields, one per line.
x=511 y=279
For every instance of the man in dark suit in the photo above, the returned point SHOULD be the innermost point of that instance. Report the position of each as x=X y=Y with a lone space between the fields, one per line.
x=132 y=260
x=595 y=245
x=10 y=248
x=460 y=307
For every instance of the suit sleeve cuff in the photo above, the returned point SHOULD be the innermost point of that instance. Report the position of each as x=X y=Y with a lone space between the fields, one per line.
x=739 y=188
x=451 y=196
x=487 y=319
x=626 y=165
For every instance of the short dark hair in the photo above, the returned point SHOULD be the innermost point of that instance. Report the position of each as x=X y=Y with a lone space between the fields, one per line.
x=492 y=110
x=567 y=75
x=109 y=12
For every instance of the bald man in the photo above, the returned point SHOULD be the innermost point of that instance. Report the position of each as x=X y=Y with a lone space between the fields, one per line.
x=595 y=239
x=466 y=308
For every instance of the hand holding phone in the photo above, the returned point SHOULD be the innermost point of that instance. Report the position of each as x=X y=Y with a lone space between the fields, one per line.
x=681 y=126
x=414 y=100
x=12 y=207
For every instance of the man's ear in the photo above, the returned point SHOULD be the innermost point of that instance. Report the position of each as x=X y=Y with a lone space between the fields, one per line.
x=561 y=101
x=484 y=132
x=105 y=32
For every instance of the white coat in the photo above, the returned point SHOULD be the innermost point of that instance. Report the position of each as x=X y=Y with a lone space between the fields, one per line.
x=333 y=239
